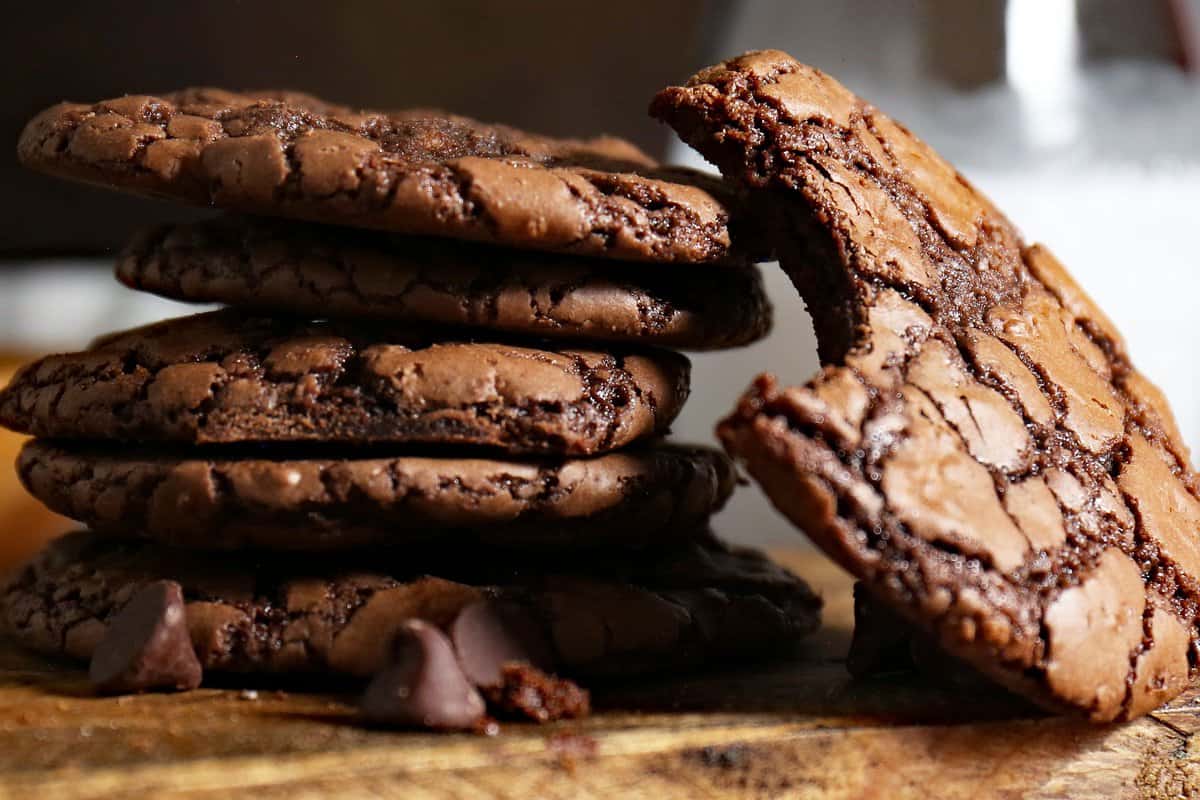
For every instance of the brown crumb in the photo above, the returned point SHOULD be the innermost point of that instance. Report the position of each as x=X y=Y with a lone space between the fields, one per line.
x=526 y=691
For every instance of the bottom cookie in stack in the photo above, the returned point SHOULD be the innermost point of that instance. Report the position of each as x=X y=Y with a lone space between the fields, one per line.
x=511 y=623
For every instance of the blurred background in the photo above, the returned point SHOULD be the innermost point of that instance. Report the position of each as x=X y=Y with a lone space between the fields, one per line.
x=1079 y=117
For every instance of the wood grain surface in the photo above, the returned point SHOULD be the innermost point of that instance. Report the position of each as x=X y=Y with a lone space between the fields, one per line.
x=797 y=729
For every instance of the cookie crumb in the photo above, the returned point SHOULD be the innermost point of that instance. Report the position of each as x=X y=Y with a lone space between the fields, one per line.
x=526 y=691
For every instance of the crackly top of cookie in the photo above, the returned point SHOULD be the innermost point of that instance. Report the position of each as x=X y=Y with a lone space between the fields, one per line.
x=292 y=267
x=414 y=171
x=227 y=376
x=979 y=447
x=634 y=499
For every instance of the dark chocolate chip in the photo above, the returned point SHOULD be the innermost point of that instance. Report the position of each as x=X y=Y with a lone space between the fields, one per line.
x=147 y=645
x=424 y=685
x=487 y=635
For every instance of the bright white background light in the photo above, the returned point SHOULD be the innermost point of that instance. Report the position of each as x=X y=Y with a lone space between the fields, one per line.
x=1041 y=64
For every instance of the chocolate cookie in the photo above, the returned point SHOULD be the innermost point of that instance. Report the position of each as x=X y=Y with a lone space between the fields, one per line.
x=636 y=498
x=326 y=271
x=978 y=449
x=229 y=377
x=419 y=171
x=682 y=608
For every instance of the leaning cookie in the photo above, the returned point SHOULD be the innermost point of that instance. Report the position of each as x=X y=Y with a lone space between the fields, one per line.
x=979 y=449
x=227 y=377
x=324 y=271
x=644 y=497
x=419 y=172
x=685 y=607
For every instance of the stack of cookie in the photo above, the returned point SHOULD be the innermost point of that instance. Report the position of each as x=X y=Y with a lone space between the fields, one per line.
x=434 y=460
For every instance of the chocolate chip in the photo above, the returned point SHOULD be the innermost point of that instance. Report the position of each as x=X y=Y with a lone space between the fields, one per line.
x=424 y=685
x=488 y=634
x=147 y=646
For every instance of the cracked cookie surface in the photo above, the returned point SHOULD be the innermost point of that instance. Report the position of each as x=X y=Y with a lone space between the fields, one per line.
x=325 y=271
x=678 y=608
x=419 y=171
x=636 y=498
x=227 y=376
x=978 y=448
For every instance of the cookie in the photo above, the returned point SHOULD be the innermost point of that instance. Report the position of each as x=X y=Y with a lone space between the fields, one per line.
x=636 y=498
x=419 y=172
x=978 y=448
x=325 y=271
x=228 y=377
x=685 y=607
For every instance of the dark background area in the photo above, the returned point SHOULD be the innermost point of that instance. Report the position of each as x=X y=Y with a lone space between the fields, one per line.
x=562 y=68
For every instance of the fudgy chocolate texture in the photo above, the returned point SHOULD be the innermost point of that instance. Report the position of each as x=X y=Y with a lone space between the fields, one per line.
x=643 y=497
x=418 y=171
x=978 y=448
x=227 y=377
x=325 y=271
x=683 y=607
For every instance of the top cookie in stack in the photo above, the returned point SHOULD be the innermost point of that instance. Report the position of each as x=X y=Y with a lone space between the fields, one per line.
x=287 y=154
x=501 y=384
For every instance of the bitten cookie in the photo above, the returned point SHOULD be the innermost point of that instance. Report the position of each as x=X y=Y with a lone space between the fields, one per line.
x=637 y=498
x=682 y=608
x=325 y=271
x=420 y=171
x=228 y=377
x=978 y=449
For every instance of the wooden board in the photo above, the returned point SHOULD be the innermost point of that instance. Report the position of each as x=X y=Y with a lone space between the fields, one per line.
x=799 y=729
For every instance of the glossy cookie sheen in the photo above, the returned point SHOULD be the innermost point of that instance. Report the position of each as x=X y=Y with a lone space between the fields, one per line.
x=418 y=171
x=978 y=448
x=326 y=271
x=643 y=497
x=684 y=607
x=226 y=377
